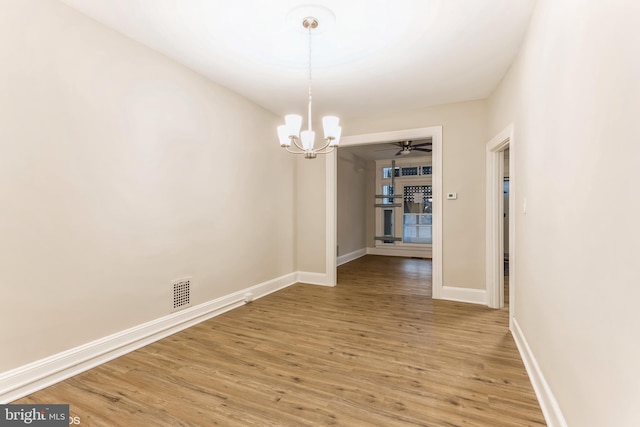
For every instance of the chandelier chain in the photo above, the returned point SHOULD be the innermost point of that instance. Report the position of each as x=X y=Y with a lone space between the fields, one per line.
x=310 y=76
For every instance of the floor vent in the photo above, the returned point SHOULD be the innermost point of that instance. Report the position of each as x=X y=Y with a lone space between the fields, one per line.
x=181 y=294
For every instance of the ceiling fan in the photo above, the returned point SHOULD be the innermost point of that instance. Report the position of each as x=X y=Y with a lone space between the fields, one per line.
x=406 y=147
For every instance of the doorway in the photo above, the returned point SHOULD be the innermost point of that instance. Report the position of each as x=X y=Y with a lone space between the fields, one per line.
x=505 y=220
x=435 y=134
x=500 y=217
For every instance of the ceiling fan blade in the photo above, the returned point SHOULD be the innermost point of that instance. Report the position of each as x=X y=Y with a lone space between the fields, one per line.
x=426 y=150
x=398 y=153
x=422 y=145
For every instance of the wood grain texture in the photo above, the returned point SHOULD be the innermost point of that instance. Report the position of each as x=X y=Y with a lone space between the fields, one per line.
x=375 y=350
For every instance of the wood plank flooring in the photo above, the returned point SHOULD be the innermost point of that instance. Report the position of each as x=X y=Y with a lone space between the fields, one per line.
x=375 y=350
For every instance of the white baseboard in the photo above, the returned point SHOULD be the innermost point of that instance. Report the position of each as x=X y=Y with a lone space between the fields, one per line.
x=401 y=251
x=548 y=404
x=473 y=296
x=321 y=279
x=35 y=376
x=343 y=259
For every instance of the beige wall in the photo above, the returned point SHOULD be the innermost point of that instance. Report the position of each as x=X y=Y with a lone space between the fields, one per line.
x=311 y=215
x=121 y=171
x=352 y=206
x=464 y=135
x=574 y=98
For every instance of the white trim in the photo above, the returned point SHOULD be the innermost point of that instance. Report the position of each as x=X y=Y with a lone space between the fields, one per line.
x=473 y=296
x=435 y=133
x=494 y=222
x=343 y=259
x=35 y=376
x=394 y=135
x=436 y=183
x=331 y=206
x=513 y=187
x=401 y=251
x=315 y=278
x=548 y=403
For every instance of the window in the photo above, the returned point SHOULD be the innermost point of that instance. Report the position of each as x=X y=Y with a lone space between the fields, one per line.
x=411 y=171
x=404 y=204
x=387 y=190
x=387 y=224
x=417 y=219
x=405 y=171
x=386 y=172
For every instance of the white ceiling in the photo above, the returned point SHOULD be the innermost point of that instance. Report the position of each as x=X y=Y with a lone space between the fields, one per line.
x=379 y=55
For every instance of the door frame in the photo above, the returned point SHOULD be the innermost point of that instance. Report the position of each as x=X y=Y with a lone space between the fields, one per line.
x=433 y=132
x=494 y=219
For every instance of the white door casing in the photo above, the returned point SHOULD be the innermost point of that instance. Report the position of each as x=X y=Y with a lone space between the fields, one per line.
x=494 y=219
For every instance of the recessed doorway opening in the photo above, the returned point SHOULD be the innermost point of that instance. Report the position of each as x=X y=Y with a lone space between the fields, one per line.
x=434 y=136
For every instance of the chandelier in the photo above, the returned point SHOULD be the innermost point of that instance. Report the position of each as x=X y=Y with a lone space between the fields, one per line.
x=304 y=142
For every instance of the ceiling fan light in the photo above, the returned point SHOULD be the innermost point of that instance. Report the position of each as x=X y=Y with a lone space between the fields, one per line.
x=330 y=125
x=307 y=137
x=293 y=123
x=283 y=135
x=336 y=139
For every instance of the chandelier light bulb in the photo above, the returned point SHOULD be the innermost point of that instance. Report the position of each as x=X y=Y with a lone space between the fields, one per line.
x=336 y=138
x=308 y=138
x=283 y=136
x=330 y=125
x=294 y=124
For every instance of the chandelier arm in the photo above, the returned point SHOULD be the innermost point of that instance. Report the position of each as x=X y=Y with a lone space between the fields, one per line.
x=295 y=142
x=293 y=152
x=325 y=152
x=324 y=146
x=327 y=145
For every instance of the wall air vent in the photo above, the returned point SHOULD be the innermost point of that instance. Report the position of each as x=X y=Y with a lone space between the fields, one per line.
x=181 y=294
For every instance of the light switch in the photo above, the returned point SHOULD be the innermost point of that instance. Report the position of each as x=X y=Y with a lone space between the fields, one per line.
x=452 y=196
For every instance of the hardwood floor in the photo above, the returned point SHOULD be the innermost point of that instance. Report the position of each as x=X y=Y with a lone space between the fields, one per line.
x=375 y=350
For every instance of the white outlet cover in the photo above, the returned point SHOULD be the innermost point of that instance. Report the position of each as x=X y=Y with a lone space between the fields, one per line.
x=452 y=196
